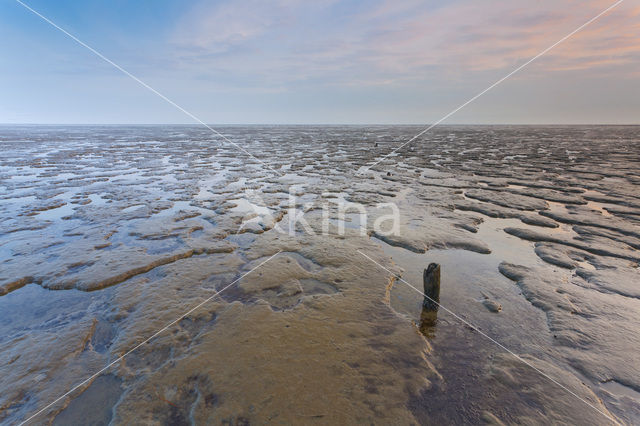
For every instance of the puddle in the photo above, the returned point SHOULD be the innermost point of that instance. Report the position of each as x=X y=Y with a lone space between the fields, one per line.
x=161 y=246
x=132 y=208
x=95 y=405
x=242 y=240
x=57 y=213
x=206 y=185
x=506 y=247
x=33 y=307
x=351 y=221
x=466 y=278
x=313 y=286
x=175 y=208
x=619 y=389
x=245 y=207
x=97 y=200
x=18 y=200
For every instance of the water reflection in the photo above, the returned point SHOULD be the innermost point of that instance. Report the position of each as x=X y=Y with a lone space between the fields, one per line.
x=428 y=321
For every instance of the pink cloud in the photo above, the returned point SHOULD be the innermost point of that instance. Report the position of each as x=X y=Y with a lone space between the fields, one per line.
x=397 y=41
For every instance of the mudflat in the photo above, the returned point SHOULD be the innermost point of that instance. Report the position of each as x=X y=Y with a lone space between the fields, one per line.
x=109 y=234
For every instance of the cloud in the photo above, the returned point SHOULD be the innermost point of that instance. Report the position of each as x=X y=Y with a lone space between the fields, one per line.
x=384 y=42
x=496 y=34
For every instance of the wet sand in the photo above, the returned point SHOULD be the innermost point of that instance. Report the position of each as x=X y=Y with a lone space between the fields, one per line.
x=110 y=233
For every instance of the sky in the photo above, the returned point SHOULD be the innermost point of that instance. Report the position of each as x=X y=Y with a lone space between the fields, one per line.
x=322 y=61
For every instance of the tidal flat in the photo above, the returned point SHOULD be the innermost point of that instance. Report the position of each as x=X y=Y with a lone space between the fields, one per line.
x=109 y=234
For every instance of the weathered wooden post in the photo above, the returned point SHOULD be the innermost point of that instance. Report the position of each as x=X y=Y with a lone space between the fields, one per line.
x=429 y=315
x=431 y=282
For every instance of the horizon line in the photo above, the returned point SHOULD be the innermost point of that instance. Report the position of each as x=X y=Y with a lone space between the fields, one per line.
x=315 y=124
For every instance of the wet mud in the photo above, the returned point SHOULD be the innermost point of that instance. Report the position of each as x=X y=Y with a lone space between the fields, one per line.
x=108 y=234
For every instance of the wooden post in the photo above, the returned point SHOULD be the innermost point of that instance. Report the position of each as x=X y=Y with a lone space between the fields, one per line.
x=431 y=282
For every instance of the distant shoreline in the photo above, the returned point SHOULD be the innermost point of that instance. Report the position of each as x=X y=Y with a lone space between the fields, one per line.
x=318 y=125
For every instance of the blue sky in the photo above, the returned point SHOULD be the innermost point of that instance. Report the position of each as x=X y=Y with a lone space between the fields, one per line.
x=327 y=61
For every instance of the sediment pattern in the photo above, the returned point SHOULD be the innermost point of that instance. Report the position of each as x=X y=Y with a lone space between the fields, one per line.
x=109 y=233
